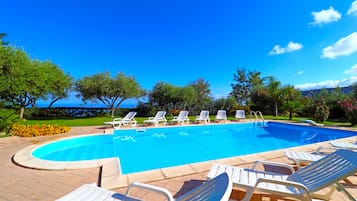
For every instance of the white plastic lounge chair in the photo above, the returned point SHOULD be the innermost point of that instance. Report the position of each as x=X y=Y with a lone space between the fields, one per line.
x=221 y=115
x=312 y=122
x=159 y=117
x=181 y=118
x=203 y=117
x=219 y=188
x=240 y=114
x=344 y=145
x=116 y=123
x=301 y=158
x=127 y=120
x=302 y=184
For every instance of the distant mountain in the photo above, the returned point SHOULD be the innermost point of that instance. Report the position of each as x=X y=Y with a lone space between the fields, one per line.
x=310 y=93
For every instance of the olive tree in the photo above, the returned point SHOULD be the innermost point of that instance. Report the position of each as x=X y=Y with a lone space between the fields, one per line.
x=165 y=96
x=59 y=84
x=107 y=90
x=23 y=81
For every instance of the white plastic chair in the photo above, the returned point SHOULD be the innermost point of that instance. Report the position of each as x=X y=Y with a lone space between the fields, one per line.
x=326 y=172
x=344 y=145
x=203 y=117
x=221 y=115
x=181 y=118
x=303 y=157
x=240 y=114
x=127 y=120
x=217 y=189
x=159 y=117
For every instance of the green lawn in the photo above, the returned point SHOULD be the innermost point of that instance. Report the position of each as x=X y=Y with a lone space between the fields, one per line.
x=97 y=121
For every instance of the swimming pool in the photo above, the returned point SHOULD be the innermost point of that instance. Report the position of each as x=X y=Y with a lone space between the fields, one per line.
x=153 y=148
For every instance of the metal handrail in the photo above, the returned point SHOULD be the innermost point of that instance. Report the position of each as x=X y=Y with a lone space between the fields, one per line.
x=260 y=114
x=255 y=115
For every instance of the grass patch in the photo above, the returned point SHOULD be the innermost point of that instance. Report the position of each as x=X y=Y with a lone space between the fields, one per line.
x=98 y=121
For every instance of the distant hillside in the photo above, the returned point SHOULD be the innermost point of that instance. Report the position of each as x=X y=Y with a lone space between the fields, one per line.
x=345 y=90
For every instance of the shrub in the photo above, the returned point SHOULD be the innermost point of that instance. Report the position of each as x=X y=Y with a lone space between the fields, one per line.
x=37 y=130
x=350 y=107
x=321 y=110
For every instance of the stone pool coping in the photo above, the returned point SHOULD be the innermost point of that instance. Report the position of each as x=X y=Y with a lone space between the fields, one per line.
x=111 y=176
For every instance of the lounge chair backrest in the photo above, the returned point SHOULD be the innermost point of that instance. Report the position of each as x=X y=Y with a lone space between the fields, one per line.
x=221 y=114
x=160 y=115
x=183 y=114
x=204 y=114
x=218 y=188
x=240 y=114
x=129 y=116
x=327 y=171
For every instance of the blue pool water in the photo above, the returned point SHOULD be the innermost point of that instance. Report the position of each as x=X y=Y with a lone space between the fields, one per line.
x=152 y=148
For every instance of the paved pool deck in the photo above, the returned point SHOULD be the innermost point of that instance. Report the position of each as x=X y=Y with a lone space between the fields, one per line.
x=20 y=183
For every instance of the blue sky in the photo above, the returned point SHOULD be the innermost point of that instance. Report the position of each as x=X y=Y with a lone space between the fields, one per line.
x=309 y=44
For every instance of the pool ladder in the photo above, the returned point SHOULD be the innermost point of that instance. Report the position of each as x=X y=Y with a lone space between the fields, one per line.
x=259 y=119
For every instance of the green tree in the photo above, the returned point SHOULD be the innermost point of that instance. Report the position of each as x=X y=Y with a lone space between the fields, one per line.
x=292 y=100
x=23 y=80
x=59 y=84
x=321 y=112
x=244 y=85
x=165 y=96
x=274 y=88
x=107 y=90
x=162 y=96
x=202 y=95
x=184 y=97
x=333 y=97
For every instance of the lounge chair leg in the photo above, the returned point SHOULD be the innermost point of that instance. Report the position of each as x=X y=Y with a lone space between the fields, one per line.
x=341 y=188
x=248 y=194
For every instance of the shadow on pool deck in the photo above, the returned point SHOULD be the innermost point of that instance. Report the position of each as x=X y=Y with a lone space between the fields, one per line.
x=18 y=183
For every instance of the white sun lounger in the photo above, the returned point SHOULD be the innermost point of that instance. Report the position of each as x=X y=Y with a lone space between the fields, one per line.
x=302 y=184
x=127 y=120
x=221 y=115
x=344 y=145
x=312 y=122
x=240 y=114
x=302 y=157
x=181 y=118
x=159 y=117
x=203 y=117
x=217 y=189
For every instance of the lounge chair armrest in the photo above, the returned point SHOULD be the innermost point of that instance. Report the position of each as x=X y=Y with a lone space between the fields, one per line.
x=152 y=188
x=275 y=164
x=285 y=183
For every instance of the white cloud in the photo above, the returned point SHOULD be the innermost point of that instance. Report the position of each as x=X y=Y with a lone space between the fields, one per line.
x=300 y=72
x=326 y=16
x=343 y=47
x=290 y=48
x=352 y=70
x=353 y=9
x=327 y=84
